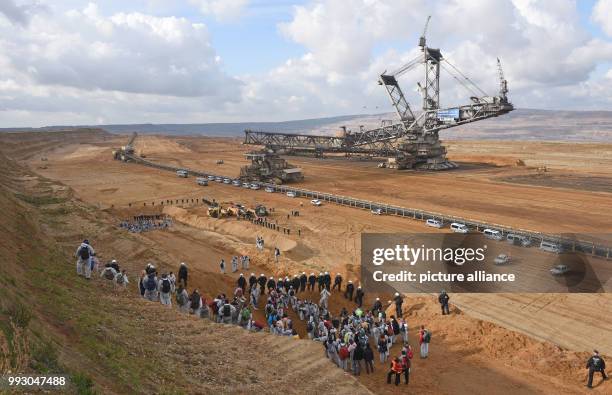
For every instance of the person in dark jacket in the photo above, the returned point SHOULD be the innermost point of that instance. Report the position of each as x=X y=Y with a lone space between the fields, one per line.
x=443 y=299
x=348 y=294
x=303 y=281
x=271 y=284
x=327 y=281
x=337 y=282
x=262 y=280
x=398 y=304
x=252 y=281
x=359 y=297
x=596 y=364
x=368 y=357
x=321 y=281
x=182 y=274
x=242 y=282
x=295 y=283
x=357 y=358
x=312 y=279
x=377 y=306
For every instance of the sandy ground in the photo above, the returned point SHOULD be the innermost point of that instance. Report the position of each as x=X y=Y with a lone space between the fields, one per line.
x=330 y=236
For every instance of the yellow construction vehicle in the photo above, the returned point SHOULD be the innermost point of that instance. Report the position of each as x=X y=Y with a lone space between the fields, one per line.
x=217 y=212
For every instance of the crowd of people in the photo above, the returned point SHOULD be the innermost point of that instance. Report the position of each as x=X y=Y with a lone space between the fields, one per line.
x=145 y=223
x=349 y=338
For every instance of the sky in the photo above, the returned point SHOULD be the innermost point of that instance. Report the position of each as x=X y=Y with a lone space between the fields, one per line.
x=70 y=62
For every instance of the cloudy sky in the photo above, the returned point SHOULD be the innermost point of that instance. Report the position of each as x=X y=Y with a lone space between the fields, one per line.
x=161 y=61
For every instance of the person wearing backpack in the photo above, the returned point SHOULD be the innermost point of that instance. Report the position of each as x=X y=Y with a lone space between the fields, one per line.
x=596 y=364
x=121 y=279
x=227 y=311
x=383 y=348
x=165 y=289
x=424 y=339
x=151 y=287
x=182 y=298
x=195 y=303
x=84 y=253
x=343 y=355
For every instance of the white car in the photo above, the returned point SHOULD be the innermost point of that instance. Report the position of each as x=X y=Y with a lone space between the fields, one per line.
x=211 y=178
x=459 y=228
x=502 y=259
x=559 y=270
x=246 y=185
x=218 y=179
x=236 y=183
x=315 y=202
x=255 y=186
x=269 y=189
x=227 y=181
x=434 y=223
x=377 y=211
x=291 y=194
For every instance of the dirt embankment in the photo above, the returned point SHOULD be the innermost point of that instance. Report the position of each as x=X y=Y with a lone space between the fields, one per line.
x=53 y=322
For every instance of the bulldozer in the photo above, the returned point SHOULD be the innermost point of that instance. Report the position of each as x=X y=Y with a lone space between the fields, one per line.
x=217 y=212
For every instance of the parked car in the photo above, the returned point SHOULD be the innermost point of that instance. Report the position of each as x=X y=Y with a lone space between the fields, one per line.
x=218 y=179
x=246 y=185
x=255 y=186
x=551 y=247
x=202 y=181
x=492 y=234
x=269 y=189
x=459 y=228
x=211 y=178
x=182 y=173
x=512 y=238
x=291 y=194
x=315 y=202
x=559 y=270
x=434 y=223
x=236 y=183
x=227 y=181
x=377 y=211
x=502 y=259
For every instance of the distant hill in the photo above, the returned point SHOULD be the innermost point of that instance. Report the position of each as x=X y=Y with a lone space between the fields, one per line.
x=521 y=124
x=209 y=129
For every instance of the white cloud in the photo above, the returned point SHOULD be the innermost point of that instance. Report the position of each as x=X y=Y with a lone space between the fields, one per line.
x=602 y=14
x=128 y=67
x=222 y=10
x=125 y=52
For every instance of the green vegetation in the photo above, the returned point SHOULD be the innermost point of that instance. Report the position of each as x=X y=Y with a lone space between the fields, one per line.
x=40 y=200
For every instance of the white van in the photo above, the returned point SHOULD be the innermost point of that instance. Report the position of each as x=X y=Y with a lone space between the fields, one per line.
x=202 y=181
x=434 y=223
x=512 y=238
x=492 y=234
x=551 y=247
x=459 y=228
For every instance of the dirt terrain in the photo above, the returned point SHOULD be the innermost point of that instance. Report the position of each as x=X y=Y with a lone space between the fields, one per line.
x=524 y=343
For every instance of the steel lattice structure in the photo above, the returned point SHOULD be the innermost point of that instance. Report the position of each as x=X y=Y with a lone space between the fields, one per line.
x=413 y=141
